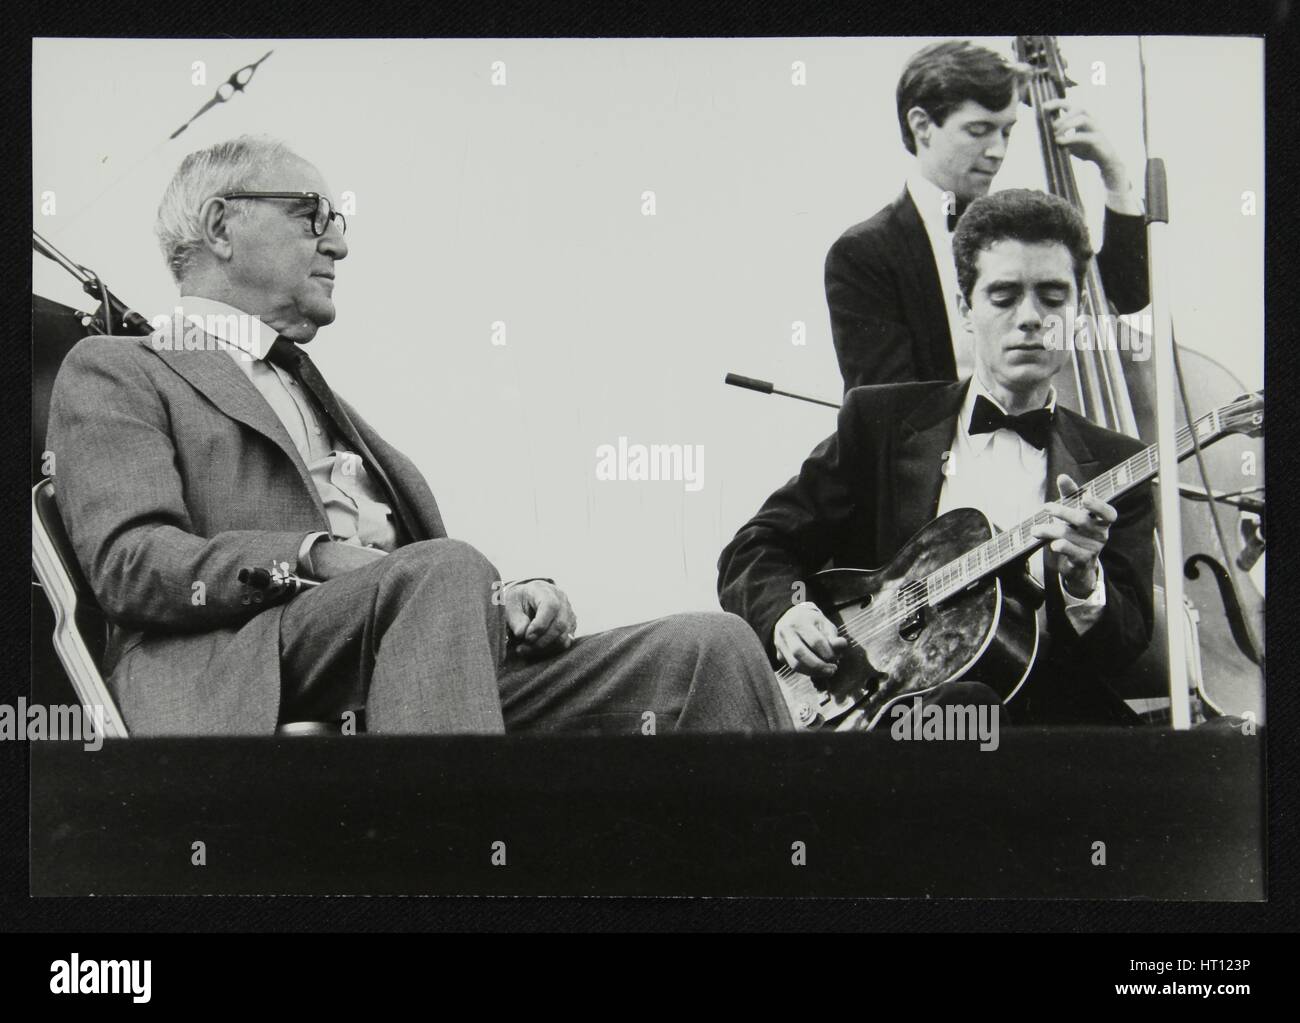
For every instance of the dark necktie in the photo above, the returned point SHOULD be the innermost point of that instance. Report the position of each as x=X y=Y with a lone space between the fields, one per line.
x=1035 y=427
x=294 y=361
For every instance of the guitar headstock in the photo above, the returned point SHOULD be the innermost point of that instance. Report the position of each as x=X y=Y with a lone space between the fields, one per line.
x=1245 y=415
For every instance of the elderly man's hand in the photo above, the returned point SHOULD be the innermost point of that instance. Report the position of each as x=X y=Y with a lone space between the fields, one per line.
x=539 y=617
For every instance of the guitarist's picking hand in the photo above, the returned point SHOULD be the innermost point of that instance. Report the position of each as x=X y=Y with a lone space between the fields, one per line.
x=807 y=641
x=1076 y=536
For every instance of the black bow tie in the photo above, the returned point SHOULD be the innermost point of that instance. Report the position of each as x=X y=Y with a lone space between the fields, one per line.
x=1035 y=427
x=955 y=215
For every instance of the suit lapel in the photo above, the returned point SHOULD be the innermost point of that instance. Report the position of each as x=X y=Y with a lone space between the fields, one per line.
x=213 y=374
x=407 y=484
x=929 y=303
x=406 y=519
x=923 y=437
x=1068 y=453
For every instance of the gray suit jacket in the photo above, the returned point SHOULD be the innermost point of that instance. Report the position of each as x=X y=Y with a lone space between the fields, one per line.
x=171 y=473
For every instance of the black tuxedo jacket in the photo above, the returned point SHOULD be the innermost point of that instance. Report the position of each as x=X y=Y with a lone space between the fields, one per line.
x=865 y=490
x=888 y=316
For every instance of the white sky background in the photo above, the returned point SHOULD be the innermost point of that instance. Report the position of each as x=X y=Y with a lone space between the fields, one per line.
x=521 y=203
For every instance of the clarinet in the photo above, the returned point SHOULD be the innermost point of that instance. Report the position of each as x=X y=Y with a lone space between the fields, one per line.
x=273 y=583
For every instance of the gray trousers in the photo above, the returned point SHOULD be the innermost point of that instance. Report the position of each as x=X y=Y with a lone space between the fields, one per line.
x=416 y=641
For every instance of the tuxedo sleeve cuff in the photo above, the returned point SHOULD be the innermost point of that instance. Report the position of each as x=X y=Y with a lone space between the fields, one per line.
x=1084 y=612
x=1125 y=201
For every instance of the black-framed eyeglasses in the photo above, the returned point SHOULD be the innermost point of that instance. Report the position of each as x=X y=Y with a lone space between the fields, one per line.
x=323 y=210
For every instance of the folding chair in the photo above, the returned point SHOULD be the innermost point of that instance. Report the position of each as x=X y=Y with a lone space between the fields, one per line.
x=80 y=628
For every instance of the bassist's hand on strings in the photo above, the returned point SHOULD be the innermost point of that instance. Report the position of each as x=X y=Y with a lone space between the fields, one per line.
x=807 y=641
x=1077 y=131
x=1076 y=536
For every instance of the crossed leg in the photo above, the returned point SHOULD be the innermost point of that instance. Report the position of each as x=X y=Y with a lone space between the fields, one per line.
x=416 y=640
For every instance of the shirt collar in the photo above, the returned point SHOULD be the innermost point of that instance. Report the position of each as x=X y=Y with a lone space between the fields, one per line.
x=244 y=334
x=931 y=201
x=979 y=441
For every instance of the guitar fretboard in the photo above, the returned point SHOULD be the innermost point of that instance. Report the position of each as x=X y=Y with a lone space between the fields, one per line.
x=1019 y=541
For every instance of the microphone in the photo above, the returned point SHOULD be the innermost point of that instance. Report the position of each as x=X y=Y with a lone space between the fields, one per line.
x=1243 y=500
x=736 y=380
x=766 y=387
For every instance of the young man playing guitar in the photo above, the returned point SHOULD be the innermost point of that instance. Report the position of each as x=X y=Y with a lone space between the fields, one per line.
x=905 y=453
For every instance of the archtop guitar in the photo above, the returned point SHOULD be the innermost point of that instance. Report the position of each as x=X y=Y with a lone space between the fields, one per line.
x=957 y=601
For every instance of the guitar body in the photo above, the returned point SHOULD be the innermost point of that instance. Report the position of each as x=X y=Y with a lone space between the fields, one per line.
x=987 y=632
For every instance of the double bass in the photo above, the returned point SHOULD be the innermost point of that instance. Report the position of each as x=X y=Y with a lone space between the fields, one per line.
x=1108 y=383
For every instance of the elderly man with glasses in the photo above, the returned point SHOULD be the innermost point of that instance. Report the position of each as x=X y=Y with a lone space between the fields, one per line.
x=183 y=468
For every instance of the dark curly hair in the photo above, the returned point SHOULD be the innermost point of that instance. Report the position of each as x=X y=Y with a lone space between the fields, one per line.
x=1023 y=215
x=943 y=76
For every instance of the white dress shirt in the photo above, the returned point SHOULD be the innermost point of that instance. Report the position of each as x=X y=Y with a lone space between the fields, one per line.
x=934 y=205
x=354 y=501
x=1005 y=477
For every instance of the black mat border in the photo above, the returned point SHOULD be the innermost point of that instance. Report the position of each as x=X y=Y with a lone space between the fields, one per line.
x=479 y=19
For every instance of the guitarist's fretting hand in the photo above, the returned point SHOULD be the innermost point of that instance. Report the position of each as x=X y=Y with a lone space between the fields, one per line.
x=807 y=641
x=1076 y=537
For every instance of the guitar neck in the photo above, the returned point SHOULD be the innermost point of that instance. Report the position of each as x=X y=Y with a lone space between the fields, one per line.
x=1020 y=542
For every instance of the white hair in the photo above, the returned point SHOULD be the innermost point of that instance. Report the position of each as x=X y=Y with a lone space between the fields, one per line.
x=225 y=167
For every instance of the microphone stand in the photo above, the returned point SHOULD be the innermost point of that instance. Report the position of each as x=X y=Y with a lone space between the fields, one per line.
x=766 y=387
x=1243 y=500
x=1168 y=375
x=113 y=312
x=1171 y=523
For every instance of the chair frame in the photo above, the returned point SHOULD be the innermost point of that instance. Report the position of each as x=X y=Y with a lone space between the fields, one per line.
x=69 y=645
x=83 y=672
